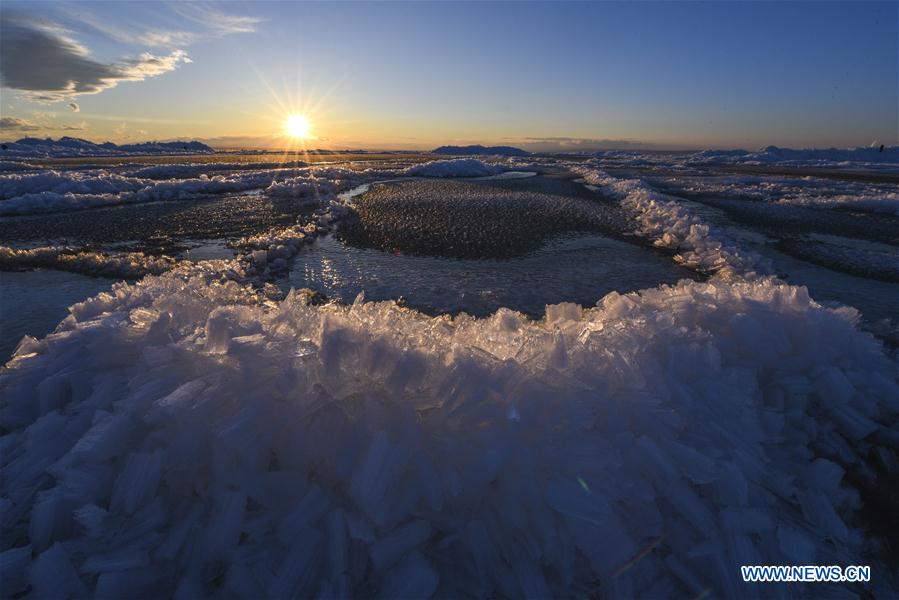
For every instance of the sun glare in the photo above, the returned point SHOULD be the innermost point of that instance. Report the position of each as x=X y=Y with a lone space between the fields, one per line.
x=298 y=126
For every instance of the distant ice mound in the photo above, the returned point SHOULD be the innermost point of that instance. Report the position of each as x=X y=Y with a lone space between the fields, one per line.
x=74 y=147
x=804 y=157
x=478 y=150
x=180 y=437
x=460 y=167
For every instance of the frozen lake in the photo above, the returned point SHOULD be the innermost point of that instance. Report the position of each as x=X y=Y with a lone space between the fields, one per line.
x=656 y=369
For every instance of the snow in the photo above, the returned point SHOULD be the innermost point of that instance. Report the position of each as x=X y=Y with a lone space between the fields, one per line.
x=460 y=167
x=212 y=443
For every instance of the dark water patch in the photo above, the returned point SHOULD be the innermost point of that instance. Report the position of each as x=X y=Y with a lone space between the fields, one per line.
x=198 y=250
x=580 y=268
x=475 y=219
x=34 y=302
x=161 y=224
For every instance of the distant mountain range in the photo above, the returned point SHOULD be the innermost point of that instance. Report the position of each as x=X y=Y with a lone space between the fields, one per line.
x=478 y=149
x=71 y=147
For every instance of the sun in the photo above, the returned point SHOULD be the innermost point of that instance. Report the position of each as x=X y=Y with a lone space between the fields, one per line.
x=298 y=126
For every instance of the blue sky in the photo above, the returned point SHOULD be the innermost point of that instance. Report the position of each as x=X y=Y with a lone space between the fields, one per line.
x=542 y=75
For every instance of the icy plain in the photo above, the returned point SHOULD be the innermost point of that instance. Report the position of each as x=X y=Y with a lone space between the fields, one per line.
x=196 y=432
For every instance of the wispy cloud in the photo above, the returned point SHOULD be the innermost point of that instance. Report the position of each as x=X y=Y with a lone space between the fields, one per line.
x=196 y=22
x=18 y=125
x=214 y=21
x=39 y=58
x=74 y=106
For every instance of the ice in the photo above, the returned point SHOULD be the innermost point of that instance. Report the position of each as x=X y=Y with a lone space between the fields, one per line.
x=58 y=191
x=809 y=192
x=123 y=265
x=671 y=225
x=137 y=481
x=404 y=454
x=13 y=569
x=193 y=170
x=133 y=583
x=59 y=183
x=47 y=191
x=888 y=158
x=192 y=434
x=863 y=158
x=116 y=561
x=413 y=578
x=312 y=189
x=52 y=575
x=460 y=167
x=388 y=550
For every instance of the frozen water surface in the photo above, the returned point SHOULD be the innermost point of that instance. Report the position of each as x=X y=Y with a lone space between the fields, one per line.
x=574 y=268
x=33 y=303
x=207 y=250
x=195 y=433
